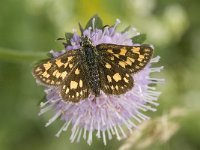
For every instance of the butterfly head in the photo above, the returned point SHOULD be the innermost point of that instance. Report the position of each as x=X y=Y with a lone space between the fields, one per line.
x=86 y=41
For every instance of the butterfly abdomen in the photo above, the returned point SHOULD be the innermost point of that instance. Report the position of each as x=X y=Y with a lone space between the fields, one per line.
x=91 y=69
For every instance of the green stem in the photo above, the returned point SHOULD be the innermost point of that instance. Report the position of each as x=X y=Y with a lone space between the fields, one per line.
x=20 y=56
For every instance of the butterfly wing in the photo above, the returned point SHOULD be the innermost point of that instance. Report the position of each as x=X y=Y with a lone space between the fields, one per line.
x=55 y=70
x=129 y=58
x=114 y=80
x=75 y=86
x=117 y=64
x=67 y=73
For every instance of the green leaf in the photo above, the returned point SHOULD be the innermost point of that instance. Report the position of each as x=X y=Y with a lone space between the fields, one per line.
x=98 y=22
x=80 y=28
x=126 y=29
x=139 y=38
x=68 y=36
x=60 y=39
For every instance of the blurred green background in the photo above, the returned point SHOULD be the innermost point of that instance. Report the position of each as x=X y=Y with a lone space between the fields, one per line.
x=30 y=27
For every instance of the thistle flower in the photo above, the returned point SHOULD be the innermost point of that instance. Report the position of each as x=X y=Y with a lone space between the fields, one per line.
x=108 y=115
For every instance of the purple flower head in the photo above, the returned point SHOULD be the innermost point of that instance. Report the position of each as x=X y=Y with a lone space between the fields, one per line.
x=105 y=116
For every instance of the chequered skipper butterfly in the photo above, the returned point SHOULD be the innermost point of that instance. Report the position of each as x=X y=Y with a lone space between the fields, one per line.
x=90 y=69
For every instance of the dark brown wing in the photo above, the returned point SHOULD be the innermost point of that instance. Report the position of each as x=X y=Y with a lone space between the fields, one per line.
x=118 y=62
x=114 y=80
x=55 y=70
x=75 y=87
x=129 y=58
x=65 y=72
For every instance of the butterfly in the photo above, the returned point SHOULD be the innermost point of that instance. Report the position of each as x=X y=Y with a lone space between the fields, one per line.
x=92 y=69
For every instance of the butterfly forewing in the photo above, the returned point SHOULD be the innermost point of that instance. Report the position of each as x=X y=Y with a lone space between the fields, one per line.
x=55 y=70
x=75 y=87
x=130 y=58
x=114 y=80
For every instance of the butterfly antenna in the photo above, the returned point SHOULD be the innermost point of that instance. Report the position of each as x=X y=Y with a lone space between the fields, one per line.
x=81 y=28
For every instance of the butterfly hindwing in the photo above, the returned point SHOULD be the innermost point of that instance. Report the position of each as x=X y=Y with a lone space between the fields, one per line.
x=130 y=58
x=75 y=87
x=114 y=80
x=55 y=70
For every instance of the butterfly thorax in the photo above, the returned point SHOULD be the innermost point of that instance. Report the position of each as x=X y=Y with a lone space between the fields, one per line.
x=91 y=67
